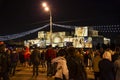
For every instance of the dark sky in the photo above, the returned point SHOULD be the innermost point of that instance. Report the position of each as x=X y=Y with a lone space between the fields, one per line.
x=22 y=15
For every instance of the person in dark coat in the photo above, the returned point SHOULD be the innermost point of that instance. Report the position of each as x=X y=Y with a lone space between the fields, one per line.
x=14 y=59
x=106 y=67
x=35 y=60
x=4 y=63
x=75 y=65
x=21 y=57
x=117 y=68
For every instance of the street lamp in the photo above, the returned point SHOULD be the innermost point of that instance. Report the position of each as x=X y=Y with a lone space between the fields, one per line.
x=47 y=8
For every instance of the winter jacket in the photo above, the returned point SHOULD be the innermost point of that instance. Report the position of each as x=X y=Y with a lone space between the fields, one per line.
x=106 y=68
x=61 y=67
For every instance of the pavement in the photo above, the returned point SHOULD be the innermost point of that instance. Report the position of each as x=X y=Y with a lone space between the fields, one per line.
x=23 y=73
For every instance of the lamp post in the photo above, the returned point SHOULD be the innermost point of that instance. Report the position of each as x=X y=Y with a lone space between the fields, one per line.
x=47 y=8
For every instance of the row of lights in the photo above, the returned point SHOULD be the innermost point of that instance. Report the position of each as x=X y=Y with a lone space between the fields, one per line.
x=110 y=31
x=108 y=26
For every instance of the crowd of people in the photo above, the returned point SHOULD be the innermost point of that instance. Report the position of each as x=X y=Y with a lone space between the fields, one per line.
x=68 y=63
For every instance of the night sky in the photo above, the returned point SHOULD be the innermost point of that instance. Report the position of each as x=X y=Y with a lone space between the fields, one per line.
x=22 y=15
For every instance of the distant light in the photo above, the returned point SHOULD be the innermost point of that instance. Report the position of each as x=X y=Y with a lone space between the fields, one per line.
x=44 y=4
x=47 y=9
x=38 y=45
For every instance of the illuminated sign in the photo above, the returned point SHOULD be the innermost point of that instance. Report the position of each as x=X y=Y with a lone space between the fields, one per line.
x=81 y=31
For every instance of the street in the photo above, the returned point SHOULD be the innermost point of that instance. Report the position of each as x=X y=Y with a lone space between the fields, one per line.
x=23 y=73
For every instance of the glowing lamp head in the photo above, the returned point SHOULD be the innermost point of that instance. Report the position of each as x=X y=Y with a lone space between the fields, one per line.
x=47 y=9
x=44 y=4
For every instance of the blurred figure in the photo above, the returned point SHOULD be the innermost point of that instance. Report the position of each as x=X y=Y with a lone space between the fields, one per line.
x=106 y=67
x=35 y=60
x=90 y=58
x=81 y=55
x=21 y=57
x=116 y=54
x=4 y=63
x=14 y=59
x=62 y=72
x=27 y=56
x=43 y=59
x=96 y=61
x=86 y=57
x=101 y=50
x=117 y=68
x=75 y=66
x=50 y=54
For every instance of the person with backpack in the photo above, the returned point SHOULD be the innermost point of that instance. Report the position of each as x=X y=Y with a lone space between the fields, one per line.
x=61 y=71
x=35 y=60
x=75 y=65
x=4 y=63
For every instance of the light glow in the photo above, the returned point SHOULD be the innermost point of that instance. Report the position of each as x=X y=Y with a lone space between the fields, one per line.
x=47 y=9
x=44 y=4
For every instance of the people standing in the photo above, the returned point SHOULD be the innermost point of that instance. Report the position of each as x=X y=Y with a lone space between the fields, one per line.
x=22 y=58
x=117 y=68
x=75 y=66
x=4 y=63
x=35 y=60
x=14 y=59
x=50 y=54
x=43 y=59
x=62 y=72
x=27 y=56
x=116 y=54
x=96 y=61
x=106 y=67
